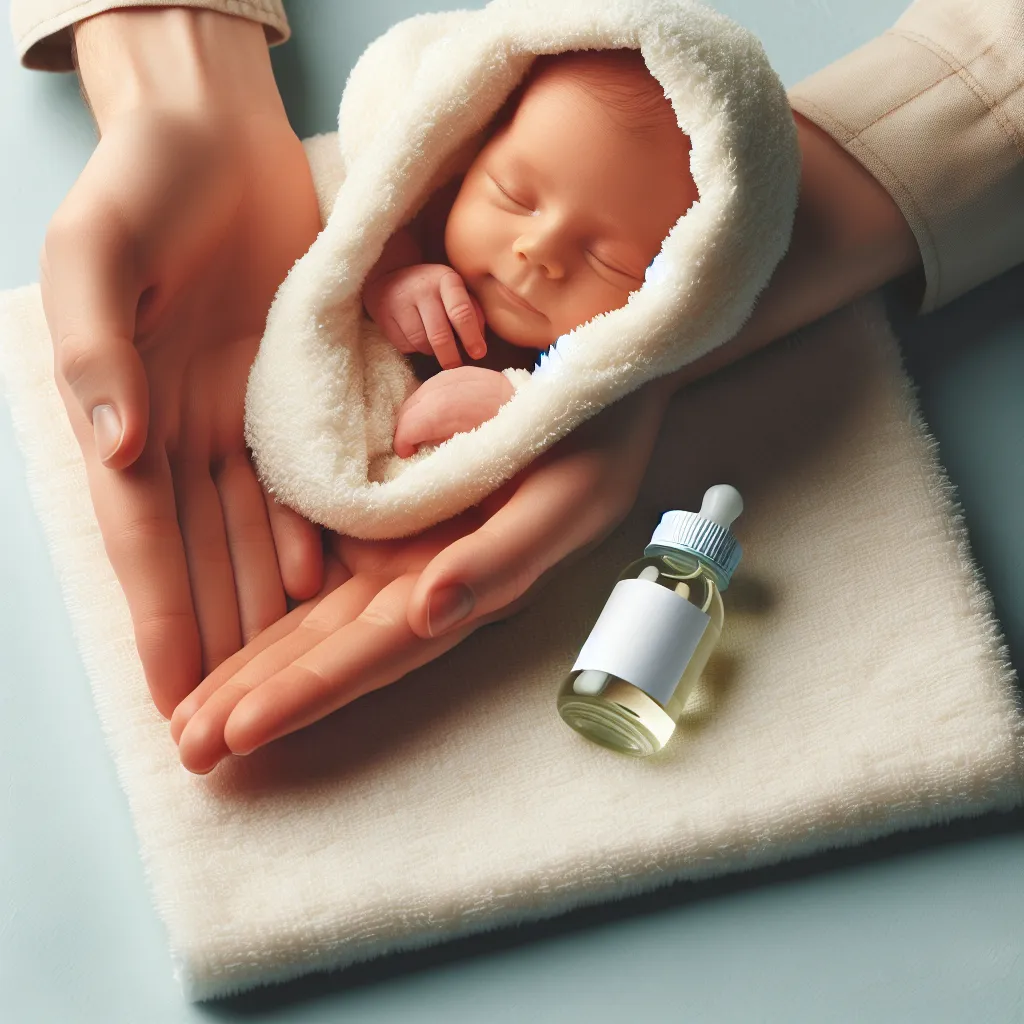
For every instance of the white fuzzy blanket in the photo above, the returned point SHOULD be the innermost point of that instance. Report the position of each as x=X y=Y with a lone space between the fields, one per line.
x=326 y=386
x=859 y=689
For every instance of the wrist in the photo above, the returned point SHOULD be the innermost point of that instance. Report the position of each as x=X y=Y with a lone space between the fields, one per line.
x=174 y=59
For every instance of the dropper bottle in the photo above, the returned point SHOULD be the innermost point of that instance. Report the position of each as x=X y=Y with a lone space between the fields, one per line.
x=662 y=620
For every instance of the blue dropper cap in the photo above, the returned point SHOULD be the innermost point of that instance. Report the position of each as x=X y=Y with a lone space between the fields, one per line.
x=706 y=534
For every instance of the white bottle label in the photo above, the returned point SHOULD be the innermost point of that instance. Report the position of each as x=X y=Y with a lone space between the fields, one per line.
x=645 y=634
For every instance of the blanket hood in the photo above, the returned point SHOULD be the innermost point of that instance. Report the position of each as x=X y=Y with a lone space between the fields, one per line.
x=325 y=388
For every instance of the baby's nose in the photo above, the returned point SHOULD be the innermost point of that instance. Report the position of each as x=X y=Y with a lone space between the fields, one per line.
x=543 y=250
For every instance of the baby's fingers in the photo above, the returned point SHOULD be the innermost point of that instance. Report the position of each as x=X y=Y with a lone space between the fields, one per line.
x=403 y=327
x=439 y=331
x=464 y=314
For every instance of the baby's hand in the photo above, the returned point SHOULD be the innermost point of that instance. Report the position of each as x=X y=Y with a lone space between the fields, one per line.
x=450 y=402
x=416 y=307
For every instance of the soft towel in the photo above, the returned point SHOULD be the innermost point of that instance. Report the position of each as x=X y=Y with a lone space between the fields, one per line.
x=860 y=688
x=326 y=386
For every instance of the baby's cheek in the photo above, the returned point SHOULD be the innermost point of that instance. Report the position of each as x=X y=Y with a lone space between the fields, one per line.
x=588 y=300
x=466 y=237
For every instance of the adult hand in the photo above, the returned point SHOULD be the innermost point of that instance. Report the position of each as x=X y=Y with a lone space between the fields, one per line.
x=157 y=273
x=383 y=612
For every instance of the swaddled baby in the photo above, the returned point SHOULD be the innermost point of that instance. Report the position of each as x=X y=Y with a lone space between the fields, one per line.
x=555 y=222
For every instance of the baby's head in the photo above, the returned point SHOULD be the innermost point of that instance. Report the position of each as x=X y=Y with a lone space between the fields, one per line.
x=568 y=203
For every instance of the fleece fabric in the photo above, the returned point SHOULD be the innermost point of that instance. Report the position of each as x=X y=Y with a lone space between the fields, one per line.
x=860 y=688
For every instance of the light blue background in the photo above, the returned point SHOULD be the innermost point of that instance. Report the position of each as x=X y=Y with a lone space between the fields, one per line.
x=922 y=927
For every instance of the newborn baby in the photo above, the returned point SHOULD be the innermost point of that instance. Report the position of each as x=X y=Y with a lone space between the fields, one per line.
x=555 y=222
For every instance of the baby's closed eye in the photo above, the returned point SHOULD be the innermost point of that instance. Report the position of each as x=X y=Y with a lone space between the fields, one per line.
x=515 y=196
x=613 y=265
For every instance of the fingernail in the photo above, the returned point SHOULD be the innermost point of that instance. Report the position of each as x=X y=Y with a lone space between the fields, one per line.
x=447 y=606
x=107 y=429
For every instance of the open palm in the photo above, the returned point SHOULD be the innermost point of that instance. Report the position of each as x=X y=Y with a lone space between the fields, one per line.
x=369 y=625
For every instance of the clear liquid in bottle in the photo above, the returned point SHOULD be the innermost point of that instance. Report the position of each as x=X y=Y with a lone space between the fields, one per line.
x=649 y=647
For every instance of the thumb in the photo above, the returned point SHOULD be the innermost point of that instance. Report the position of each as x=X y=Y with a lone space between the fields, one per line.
x=501 y=566
x=90 y=297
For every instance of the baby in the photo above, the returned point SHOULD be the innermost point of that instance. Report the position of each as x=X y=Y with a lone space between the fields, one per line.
x=555 y=222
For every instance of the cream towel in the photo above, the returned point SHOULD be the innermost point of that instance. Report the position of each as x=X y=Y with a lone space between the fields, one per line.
x=326 y=385
x=860 y=688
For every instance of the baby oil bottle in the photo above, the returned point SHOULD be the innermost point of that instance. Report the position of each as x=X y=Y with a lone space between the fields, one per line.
x=656 y=632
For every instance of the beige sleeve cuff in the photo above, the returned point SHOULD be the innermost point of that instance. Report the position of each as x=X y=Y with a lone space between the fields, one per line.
x=41 y=28
x=934 y=109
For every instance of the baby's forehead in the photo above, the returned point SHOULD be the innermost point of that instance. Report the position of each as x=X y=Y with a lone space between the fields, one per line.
x=557 y=108
x=602 y=82
x=611 y=88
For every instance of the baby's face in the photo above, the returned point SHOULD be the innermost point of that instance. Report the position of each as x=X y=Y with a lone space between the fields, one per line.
x=562 y=212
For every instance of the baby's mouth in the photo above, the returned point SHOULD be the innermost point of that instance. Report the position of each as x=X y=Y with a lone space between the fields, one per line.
x=510 y=296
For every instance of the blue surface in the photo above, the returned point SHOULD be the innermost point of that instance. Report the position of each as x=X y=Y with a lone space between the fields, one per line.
x=922 y=927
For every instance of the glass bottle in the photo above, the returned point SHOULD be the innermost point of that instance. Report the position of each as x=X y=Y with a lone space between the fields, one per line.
x=662 y=620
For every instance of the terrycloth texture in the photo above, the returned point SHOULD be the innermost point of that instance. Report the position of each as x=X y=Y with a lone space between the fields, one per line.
x=859 y=689
x=326 y=386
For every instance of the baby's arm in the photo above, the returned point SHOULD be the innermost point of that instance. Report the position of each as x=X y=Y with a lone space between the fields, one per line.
x=451 y=402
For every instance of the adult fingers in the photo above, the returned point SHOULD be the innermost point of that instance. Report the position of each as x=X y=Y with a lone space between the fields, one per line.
x=209 y=563
x=300 y=551
x=138 y=520
x=552 y=513
x=462 y=312
x=336 y=574
x=258 y=586
x=90 y=295
x=203 y=745
x=364 y=622
x=354 y=656
x=203 y=741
